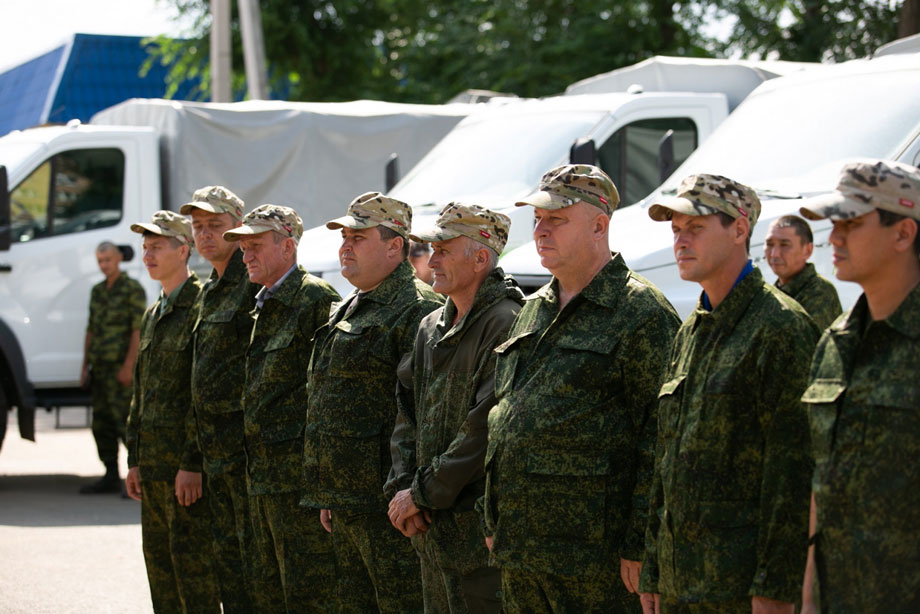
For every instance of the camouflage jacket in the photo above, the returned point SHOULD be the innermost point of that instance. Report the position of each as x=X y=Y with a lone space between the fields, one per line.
x=571 y=440
x=815 y=294
x=222 y=334
x=274 y=402
x=161 y=434
x=352 y=401
x=729 y=510
x=864 y=408
x=446 y=389
x=114 y=313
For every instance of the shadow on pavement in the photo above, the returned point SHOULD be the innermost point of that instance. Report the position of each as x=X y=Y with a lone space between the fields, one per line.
x=54 y=501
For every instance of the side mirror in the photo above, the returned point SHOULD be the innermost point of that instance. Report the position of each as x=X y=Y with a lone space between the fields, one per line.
x=392 y=171
x=583 y=151
x=666 y=156
x=127 y=252
x=5 y=233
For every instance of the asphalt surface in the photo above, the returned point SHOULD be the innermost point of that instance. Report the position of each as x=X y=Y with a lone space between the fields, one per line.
x=61 y=551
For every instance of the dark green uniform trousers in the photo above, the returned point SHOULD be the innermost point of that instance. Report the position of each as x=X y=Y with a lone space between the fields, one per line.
x=447 y=591
x=526 y=592
x=111 y=402
x=294 y=566
x=378 y=569
x=231 y=527
x=734 y=606
x=178 y=551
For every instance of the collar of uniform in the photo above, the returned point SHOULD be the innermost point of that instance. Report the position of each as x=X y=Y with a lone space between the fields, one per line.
x=603 y=289
x=286 y=292
x=235 y=269
x=393 y=285
x=905 y=319
x=801 y=280
x=183 y=296
x=733 y=306
x=495 y=287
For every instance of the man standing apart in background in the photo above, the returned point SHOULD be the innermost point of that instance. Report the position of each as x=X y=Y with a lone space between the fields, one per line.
x=864 y=399
x=571 y=440
x=116 y=307
x=446 y=389
x=295 y=569
x=163 y=458
x=787 y=249
x=222 y=331
x=729 y=512
x=352 y=407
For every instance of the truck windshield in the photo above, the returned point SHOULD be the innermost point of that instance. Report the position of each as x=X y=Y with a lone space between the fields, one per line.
x=501 y=155
x=805 y=131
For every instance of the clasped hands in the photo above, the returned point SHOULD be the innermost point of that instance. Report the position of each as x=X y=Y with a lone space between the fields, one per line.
x=406 y=516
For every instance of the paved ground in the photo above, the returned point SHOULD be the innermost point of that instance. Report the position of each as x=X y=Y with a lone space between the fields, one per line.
x=60 y=551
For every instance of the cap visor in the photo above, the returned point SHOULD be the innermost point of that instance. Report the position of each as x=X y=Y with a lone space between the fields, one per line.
x=834 y=206
x=661 y=212
x=430 y=235
x=245 y=231
x=187 y=208
x=542 y=200
x=141 y=228
x=347 y=221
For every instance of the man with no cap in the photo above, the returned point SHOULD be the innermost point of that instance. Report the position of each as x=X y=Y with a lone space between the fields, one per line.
x=352 y=406
x=222 y=329
x=163 y=457
x=293 y=563
x=446 y=389
x=729 y=513
x=571 y=439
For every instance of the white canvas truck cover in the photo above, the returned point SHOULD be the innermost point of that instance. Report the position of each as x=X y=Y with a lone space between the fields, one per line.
x=314 y=157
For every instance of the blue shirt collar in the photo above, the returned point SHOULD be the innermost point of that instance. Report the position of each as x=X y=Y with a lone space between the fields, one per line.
x=744 y=273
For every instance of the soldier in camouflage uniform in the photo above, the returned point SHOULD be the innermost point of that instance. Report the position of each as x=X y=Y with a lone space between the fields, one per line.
x=571 y=440
x=446 y=389
x=222 y=332
x=294 y=563
x=787 y=249
x=352 y=407
x=116 y=307
x=864 y=400
x=729 y=512
x=163 y=458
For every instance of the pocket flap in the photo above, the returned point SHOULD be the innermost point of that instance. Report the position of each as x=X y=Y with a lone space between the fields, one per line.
x=222 y=315
x=510 y=343
x=598 y=344
x=355 y=429
x=347 y=327
x=280 y=340
x=824 y=391
x=281 y=431
x=568 y=463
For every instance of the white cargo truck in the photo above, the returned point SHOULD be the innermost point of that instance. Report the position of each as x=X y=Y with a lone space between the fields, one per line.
x=788 y=140
x=67 y=188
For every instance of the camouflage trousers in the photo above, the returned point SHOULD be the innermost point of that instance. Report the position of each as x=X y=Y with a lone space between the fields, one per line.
x=733 y=606
x=293 y=562
x=178 y=551
x=111 y=402
x=378 y=568
x=525 y=592
x=231 y=527
x=447 y=591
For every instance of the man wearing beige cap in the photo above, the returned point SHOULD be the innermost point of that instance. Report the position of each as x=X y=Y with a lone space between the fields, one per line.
x=864 y=399
x=221 y=337
x=728 y=518
x=352 y=407
x=294 y=566
x=163 y=457
x=446 y=389
x=571 y=438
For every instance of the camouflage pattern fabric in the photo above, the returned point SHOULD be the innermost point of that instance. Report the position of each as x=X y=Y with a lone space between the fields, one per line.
x=377 y=570
x=446 y=390
x=574 y=429
x=161 y=431
x=293 y=558
x=815 y=294
x=569 y=184
x=734 y=606
x=478 y=223
x=446 y=591
x=864 y=409
x=231 y=529
x=729 y=510
x=268 y=218
x=537 y=593
x=177 y=551
x=866 y=185
x=111 y=402
x=114 y=313
x=708 y=194
x=375 y=209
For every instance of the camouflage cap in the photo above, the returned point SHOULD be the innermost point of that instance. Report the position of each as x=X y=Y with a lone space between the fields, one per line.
x=268 y=218
x=167 y=224
x=565 y=185
x=478 y=223
x=867 y=185
x=215 y=199
x=374 y=209
x=708 y=194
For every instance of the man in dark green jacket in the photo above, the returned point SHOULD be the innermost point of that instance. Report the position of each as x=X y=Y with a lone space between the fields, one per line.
x=294 y=563
x=571 y=439
x=446 y=389
x=787 y=248
x=352 y=406
x=222 y=330
x=864 y=398
x=163 y=457
x=729 y=512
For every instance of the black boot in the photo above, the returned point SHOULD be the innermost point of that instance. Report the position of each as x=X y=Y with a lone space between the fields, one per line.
x=110 y=482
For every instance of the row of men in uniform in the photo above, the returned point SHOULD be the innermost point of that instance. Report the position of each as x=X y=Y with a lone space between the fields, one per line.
x=577 y=451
